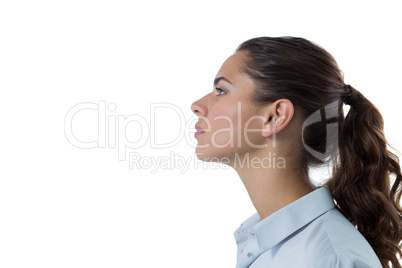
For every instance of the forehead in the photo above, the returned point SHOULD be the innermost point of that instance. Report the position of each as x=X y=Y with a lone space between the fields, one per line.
x=231 y=70
x=232 y=66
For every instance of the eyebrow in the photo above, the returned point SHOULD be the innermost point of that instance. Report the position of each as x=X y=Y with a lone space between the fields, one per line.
x=216 y=81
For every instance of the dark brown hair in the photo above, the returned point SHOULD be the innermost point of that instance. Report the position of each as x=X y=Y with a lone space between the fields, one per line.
x=363 y=167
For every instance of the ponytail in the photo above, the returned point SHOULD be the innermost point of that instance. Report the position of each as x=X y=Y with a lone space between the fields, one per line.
x=362 y=174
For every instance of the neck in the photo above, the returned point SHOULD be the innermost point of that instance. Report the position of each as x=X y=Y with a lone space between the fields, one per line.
x=272 y=187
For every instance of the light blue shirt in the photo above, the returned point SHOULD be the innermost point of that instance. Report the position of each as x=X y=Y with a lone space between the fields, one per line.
x=310 y=232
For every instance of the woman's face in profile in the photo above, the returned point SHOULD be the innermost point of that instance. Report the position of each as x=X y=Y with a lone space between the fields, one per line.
x=226 y=113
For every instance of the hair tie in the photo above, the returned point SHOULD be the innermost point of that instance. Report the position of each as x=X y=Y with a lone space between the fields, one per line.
x=348 y=92
x=351 y=96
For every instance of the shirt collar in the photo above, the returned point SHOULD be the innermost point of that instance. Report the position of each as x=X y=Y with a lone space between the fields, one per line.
x=279 y=225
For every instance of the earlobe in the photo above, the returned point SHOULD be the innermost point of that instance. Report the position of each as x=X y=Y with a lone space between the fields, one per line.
x=271 y=126
x=267 y=130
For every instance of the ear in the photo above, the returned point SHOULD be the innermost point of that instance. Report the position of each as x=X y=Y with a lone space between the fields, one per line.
x=278 y=116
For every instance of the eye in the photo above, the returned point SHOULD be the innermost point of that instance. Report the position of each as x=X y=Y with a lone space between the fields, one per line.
x=220 y=91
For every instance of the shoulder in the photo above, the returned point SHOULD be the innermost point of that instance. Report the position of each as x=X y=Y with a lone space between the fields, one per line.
x=329 y=241
x=348 y=247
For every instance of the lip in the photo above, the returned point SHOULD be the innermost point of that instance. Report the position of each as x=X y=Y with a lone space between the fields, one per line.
x=199 y=131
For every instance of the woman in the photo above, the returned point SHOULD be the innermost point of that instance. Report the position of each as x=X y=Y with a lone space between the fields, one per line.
x=277 y=110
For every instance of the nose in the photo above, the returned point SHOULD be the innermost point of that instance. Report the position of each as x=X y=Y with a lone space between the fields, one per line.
x=199 y=108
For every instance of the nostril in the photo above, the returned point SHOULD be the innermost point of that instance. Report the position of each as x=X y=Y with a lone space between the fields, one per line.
x=199 y=108
x=194 y=108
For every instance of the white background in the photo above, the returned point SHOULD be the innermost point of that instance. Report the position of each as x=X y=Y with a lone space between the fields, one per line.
x=63 y=206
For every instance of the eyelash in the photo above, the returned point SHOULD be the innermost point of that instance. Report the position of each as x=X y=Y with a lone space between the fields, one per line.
x=220 y=90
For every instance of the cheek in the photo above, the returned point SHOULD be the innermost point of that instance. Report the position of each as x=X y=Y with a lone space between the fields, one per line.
x=224 y=117
x=224 y=126
x=251 y=125
x=234 y=121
